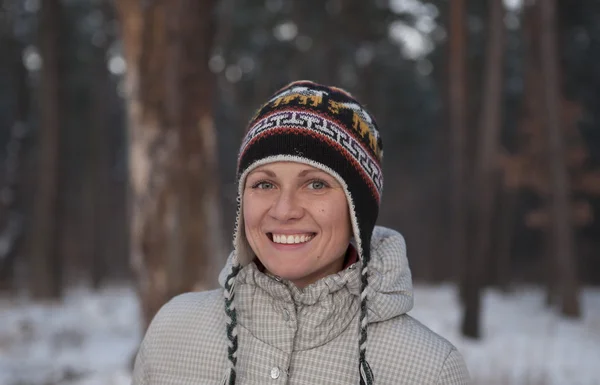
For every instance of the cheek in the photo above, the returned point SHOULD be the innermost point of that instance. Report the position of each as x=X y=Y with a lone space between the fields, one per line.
x=334 y=214
x=254 y=209
x=249 y=212
x=251 y=221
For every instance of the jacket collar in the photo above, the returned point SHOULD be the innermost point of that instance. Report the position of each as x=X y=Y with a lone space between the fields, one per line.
x=324 y=309
x=318 y=313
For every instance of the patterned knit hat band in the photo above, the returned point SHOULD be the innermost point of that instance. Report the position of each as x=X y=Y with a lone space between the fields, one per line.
x=327 y=114
x=294 y=121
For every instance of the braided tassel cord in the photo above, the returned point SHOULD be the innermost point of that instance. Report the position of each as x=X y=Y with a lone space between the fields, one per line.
x=229 y=377
x=231 y=313
x=366 y=375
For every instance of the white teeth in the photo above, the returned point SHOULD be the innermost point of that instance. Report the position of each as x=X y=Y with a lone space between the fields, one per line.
x=291 y=239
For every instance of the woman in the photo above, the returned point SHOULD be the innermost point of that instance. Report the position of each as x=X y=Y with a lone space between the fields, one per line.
x=314 y=293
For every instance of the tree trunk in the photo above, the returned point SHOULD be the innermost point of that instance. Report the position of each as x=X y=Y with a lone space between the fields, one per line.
x=562 y=228
x=531 y=135
x=506 y=227
x=11 y=202
x=98 y=179
x=457 y=85
x=175 y=233
x=46 y=266
x=487 y=151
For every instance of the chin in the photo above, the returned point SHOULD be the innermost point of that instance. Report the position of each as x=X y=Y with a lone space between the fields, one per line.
x=287 y=273
x=290 y=273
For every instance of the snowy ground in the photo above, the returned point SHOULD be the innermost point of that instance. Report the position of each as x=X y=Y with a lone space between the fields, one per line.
x=86 y=341
x=90 y=339
x=524 y=342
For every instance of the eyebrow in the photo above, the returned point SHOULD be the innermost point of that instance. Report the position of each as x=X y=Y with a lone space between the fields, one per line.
x=302 y=173
x=268 y=172
x=307 y=171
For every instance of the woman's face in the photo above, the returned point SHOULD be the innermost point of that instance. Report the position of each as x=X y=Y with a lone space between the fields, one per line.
x=296 y=220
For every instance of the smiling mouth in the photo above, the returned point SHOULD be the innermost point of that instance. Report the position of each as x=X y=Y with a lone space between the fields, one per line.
x=291 y=239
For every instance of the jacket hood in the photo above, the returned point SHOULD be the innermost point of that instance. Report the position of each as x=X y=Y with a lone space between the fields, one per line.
x=390 y=290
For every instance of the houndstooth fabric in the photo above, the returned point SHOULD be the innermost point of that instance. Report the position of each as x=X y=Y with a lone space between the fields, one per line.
x=301 y=337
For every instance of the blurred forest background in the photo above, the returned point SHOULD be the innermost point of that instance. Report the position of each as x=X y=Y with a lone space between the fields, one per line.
x=120 y=124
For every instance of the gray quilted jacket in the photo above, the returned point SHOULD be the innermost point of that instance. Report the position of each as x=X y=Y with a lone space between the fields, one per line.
x=301 y=337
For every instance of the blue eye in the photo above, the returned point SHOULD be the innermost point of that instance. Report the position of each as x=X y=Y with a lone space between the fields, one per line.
x=263 y=185
x=317 y=185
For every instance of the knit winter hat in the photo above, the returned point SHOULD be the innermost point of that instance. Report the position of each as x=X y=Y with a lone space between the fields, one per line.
x=324 y=127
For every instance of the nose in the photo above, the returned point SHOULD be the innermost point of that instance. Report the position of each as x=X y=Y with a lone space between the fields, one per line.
x=286 y=207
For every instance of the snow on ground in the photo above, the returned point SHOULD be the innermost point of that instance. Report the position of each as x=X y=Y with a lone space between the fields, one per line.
x=91 y=337
x=525 y=343
x=88 y=340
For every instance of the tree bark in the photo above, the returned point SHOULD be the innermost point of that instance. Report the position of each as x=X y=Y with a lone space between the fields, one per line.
x=46 y=263
x=531 y=135
x=487 y=151
x=457 y=102
x=506 y=226
x=11 y=202
x=98 y=180
x=175 y=229
x=562 y=228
